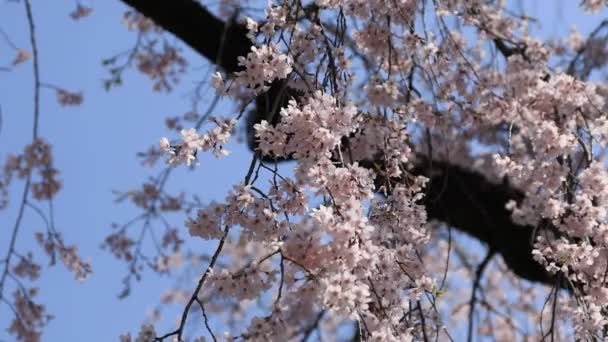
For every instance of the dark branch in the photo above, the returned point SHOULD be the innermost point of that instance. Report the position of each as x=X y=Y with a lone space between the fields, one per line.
x=200 y=29
x=467 y=201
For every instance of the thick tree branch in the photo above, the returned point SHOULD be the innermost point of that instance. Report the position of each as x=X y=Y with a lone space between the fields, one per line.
x=461 y=198
x=188 y=20
x=467 y=201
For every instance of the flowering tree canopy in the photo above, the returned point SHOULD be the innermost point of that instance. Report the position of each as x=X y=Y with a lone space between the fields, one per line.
x=384 y=134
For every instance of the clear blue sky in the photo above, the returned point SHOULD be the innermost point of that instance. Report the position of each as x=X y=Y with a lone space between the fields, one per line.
x=94 y=147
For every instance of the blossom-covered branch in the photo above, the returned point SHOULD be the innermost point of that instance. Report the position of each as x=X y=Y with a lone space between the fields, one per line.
x=450 y=183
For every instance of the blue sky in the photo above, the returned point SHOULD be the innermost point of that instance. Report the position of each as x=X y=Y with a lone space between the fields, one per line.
x=94 y=146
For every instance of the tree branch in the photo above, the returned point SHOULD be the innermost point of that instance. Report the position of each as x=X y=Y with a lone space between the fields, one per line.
x=189 y=21
x=467 y=201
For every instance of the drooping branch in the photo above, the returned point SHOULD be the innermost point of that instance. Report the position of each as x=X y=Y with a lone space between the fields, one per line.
x=10 y=251
x=459 y=197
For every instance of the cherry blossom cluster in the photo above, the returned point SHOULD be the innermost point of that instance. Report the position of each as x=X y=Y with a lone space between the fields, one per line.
x=66 y=98
x=262 y=65
x=30 y=317
x=36 y=157
x=192 y=143
x=153 y=55
x=80 y=12
x=54 y=246
x=150 y=197
x=307 y=131
x=135 y=21
x=163 y=66
x=594 y=5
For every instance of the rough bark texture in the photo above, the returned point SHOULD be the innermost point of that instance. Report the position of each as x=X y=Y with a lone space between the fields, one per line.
x=467 y=201
x=459 y=197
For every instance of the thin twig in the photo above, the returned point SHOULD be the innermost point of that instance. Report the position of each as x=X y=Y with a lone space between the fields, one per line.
x=26 y=188
x=476 y=283
x=180 y=330
x=313 y=326
x=206 y=319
